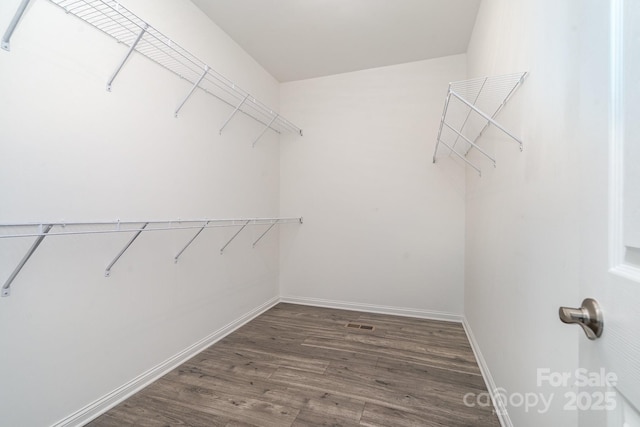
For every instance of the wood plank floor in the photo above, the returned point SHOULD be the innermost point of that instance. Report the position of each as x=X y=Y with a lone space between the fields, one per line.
x=301 y=366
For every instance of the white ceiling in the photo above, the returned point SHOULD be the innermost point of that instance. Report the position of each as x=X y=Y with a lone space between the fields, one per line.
x=300 y=39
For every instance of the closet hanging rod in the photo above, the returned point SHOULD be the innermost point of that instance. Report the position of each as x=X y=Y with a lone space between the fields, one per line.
x=117 y=226
x=114 y=20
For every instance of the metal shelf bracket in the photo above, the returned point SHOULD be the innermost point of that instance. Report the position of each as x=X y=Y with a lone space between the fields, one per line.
x=265 y=130
x=44 y=229
x=234 y=113
x=107 y=271
x=129 y=52
x=175 y=259
x=487 y=118
x=234 y=236
x=265 y=233
x=6 y=39
x=460 y=156
x=474 y=145
x=204 y=74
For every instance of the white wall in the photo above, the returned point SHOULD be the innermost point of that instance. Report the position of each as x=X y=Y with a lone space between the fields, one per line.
x=526 y=227
x=72 y=151
x=383 y=225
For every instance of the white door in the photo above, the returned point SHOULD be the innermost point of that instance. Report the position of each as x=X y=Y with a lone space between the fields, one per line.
x=609 y=393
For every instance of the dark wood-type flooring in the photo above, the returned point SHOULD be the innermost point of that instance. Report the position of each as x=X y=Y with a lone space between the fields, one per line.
x=301 y=366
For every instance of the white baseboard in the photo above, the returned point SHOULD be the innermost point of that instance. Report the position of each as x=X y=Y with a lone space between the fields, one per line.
x=372 y=308
x=100 y=406
x=501 y=410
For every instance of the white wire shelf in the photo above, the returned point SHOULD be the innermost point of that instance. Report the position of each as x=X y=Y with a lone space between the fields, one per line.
x=51 y=228
x=113 y=19
x=469 y=108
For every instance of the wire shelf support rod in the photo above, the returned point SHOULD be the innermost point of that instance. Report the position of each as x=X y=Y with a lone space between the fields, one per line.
x=233 y=113
x=107 y=271
x=44 y=230
x=487 y=118
x=6 y=39
x=474 y=145
x=264 y=130
x=175 y=259
x=264 y=234
x=129 y=52
x=195 y=86
x=234 y=236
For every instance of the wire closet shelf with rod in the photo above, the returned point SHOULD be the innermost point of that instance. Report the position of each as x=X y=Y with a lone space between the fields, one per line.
x=40 y=231
x=116 y=21
x=469 y=108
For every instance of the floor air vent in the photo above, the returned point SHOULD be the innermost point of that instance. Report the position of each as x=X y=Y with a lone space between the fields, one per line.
x=358 y=326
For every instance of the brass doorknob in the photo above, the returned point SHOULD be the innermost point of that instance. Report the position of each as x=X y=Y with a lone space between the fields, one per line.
x=589 y=316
